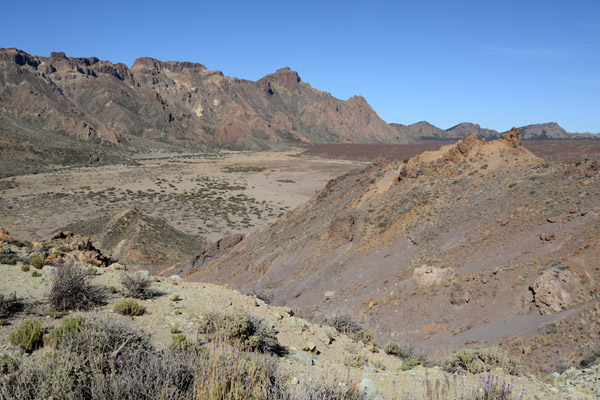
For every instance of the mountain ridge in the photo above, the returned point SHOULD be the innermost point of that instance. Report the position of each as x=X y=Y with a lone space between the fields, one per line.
x=180 y=104
x=423 y=130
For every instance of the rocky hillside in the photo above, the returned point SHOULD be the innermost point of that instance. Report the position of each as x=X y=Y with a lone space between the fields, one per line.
x=425 y=131
x=166 y=346
x=137 y=239
x=474 y=244
x=156 y=104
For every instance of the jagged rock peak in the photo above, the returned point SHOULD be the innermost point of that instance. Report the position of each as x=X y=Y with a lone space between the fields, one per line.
x=512 y=138
x=176 y=66
x=284 y=76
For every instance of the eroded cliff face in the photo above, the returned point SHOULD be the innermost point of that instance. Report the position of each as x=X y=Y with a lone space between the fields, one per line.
x=177 y=103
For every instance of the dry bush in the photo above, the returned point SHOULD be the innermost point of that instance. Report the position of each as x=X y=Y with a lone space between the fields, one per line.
x=244 y=330
x=9 y=305
x=71 y=289
x=136 y=285
x=343 y=321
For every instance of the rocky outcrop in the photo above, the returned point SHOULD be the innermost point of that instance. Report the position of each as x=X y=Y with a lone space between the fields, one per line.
x=549 y=294
x=343 y=226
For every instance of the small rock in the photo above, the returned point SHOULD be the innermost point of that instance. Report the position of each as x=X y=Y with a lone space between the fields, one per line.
x=551 y=220
x=329 y=293
x=367 y=388
x=175 y=277
x=505 y=222
x=573 y=210
x=310 y=346
x=589 y=174
x=144 y=272
x=288 y=310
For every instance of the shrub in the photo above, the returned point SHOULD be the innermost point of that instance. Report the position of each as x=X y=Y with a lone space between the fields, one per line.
x=364 y=336
x=25 y=268
x=29 y=335
x=480 y=360
x=400 y=351
x=343 y=321
x=411 y=362
x=8 y=364
x=9 y=305
x=175 y=297
x=243 y=330
x=68 y=326
x=38 y=261
x=129 y=307
x=71 y=290
x=136 y=285
x=35 y=274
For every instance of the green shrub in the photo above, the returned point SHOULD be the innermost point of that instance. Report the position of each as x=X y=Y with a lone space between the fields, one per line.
x=411 y=362
x=29 y=335
x=38 y=261
x=129 y=307
x=25 y=267
x=8 y=364
x=68 y=326
x=36 y=274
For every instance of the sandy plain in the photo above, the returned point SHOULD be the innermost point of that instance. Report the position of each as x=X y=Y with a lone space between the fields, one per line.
x=208 y=194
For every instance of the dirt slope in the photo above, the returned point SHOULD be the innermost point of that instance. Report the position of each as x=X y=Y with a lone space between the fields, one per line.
x=472 y=244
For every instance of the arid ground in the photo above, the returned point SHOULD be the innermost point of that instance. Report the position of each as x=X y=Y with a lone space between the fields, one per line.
x=212 y=195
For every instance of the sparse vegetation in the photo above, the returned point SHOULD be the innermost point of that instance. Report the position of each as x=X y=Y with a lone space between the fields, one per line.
x=71 y=289
x=242 y=330
x=129 y=307
x=343 y=321
x=136 y=285
x=29 y=335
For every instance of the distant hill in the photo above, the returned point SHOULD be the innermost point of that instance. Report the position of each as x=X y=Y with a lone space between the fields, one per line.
x=172 y=105
x=424 y=130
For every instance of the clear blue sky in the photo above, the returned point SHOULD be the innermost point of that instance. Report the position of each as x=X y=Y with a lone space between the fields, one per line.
x=496 y=63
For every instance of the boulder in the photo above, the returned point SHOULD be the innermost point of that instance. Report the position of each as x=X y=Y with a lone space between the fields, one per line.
x=549 y=295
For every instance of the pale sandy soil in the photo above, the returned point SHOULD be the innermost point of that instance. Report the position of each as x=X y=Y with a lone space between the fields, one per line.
x=327 y=362
x=168 y=186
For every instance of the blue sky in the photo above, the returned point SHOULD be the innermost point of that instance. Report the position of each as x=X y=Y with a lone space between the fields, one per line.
x=496 y=63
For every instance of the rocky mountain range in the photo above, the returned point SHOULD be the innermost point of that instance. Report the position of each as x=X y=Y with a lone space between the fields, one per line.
x=173 y=104
x=423 y=130
x=478 y=242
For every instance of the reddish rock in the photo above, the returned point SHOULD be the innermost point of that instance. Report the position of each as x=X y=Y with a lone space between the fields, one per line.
x=549 y=295
x=4 y=235
x=589 y=174
x=61 y=235
x=551 y=220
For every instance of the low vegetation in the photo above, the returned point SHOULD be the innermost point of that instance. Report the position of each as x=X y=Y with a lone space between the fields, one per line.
x=71 y=289
x=28 y=336
x=136 y=285
x=242 y=330
x=129 y=307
